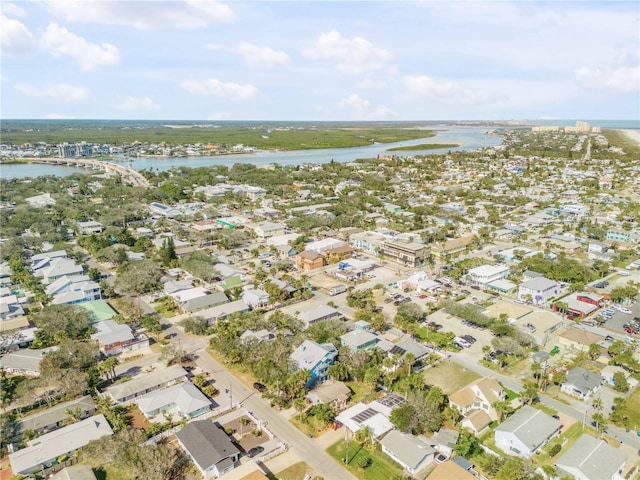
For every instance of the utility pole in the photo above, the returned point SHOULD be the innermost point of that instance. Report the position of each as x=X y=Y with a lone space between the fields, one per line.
x=231 y=395
x=346 y=445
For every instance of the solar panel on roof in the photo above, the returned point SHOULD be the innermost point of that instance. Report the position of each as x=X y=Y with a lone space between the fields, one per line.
x=364 y=415
x=392 y=400
x=396 y=350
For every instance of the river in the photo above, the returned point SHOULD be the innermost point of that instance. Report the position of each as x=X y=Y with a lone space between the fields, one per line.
x=469 y=138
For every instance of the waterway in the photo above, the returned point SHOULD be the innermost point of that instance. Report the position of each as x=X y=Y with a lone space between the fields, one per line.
x=469 y=138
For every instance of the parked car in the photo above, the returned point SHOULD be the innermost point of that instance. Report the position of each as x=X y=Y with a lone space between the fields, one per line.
x=441 y=457
x=259 y=387
x=255 y=451
x=469 y=338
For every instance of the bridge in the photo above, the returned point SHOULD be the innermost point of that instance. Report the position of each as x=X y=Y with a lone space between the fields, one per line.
x=128 y=174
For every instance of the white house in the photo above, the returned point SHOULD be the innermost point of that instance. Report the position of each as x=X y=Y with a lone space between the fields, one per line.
x=483 y=275
x=592 y=459
x=412 y=453
x=539 y=290
x=526 y=431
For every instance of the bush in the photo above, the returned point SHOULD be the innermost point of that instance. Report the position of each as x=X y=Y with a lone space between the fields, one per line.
x=553 y=451
x=364 y=462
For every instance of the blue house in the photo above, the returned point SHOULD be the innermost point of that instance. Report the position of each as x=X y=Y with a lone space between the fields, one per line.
x=315 y=357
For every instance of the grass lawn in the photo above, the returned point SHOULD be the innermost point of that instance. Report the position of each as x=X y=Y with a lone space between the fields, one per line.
x=633 y=408
x=361 y=392
x=297 y=471
x=449 y=376
x=381 y=467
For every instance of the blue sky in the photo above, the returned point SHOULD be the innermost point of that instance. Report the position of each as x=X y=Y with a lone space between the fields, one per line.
x=321 y=60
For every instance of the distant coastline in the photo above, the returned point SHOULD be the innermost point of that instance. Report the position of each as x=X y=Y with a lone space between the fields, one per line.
x=632 y=134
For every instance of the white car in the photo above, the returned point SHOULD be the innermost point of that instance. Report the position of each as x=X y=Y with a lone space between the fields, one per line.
x=625 y=310
x=623 y=273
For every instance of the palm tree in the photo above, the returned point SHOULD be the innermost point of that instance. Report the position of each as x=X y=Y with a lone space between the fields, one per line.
x=365 y=436
x=536 y=369
x=502 y=407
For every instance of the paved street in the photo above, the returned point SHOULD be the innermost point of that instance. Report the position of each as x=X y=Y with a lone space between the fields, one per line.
x=309 y=450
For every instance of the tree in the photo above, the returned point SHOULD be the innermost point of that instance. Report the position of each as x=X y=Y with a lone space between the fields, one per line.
x=620 y=382
x=594 y=351
x=601 y=422
x=300 y=403
x=152 y=325
x=403 y=418
x=138 y=277
x=365 y=436
x=57 y=322
x=467 y=444
x=529 y=392
x=502 y=408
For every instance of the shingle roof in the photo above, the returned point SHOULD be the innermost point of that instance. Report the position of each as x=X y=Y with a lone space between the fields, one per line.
x=185 y=396
x=531 y=426
x=594 y=458
x=206 y=443
x=147 y=382
x=410 y=450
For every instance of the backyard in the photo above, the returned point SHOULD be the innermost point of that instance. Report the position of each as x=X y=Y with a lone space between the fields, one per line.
x=449 y=376
x=381 y=467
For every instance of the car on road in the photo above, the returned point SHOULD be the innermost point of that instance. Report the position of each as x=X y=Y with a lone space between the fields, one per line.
x=259 y=387
x=170 y=335
x=557 y=417
x=609 y=338
x=255 y=451
x=466 y=292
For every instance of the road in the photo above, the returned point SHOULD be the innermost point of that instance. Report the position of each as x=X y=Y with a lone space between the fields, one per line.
x=304 y=447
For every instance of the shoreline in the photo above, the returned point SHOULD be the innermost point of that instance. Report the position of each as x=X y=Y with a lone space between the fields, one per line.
x=631 y=134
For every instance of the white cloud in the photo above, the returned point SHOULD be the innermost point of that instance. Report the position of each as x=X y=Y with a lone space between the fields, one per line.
x=12 y=9
x=212 y=86
x=143 y=15
x=60 y=41
x=258 y=57
x=59 y=92
x=370 y=83
x=134 y=104
x=417 y=86
x=361 y=109
x=353 y=56
x=622 y=79
x=15 y=39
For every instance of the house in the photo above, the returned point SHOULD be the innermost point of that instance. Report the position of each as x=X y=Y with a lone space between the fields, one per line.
x=404 y=347
x=373 y=415
x=451 y=247
x=258 y=336
x=268 y=229
x=224 y=311
x=75 y=472
x=47 y=448
x=590 y=298
x=357 y=340
x=475 y=403
x=318 y=314
x=255 y=298
x=209 y=447
x=592 y=459
x=56 y=268
x=578 y=339
x=10 y=307
x=575 y=308
x=330 y=392
x=23 y=362
x=89 y=228
x=483 y=275
x=116 y=338
x=174 y=286
x=315 y=357
x=55 y=417
x=367 y=241
x=42 y=200
x=286 y=251
x=581 y=383
x=74 y=290
x=609 y=372
x=444 y=440
x=411 y=452
x=184 y=397
x=540 y=324
x=198 y=304
x=126 y=393
x=308 y=260
x=526 y=432
x=157 y=208
x=538 y=290
x=410 y=254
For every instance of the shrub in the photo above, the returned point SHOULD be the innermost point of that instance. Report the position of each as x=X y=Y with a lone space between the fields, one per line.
x=364 y=462
x=553 y=451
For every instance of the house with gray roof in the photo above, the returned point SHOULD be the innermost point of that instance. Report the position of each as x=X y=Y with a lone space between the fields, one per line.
x=209 y=447
x=357 y=340
x=47 y=448
x=582 y=383
x=413 y=453
x=315 y=357
x=526 y=431
x=56 y=416
x=592 y=459
x=23 y=362
x=318 y=314
x=185 y=397
x=127 y=392
x=255 y=298
x=115 y=338
x=538 y=290
x=198 y=304
x=224 y=311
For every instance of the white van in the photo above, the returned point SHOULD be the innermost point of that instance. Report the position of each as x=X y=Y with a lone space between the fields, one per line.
x=337 y=289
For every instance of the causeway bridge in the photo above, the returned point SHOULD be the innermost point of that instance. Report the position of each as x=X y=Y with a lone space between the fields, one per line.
x=128 y=174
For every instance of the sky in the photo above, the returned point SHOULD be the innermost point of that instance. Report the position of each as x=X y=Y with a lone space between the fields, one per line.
x=320 y=60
